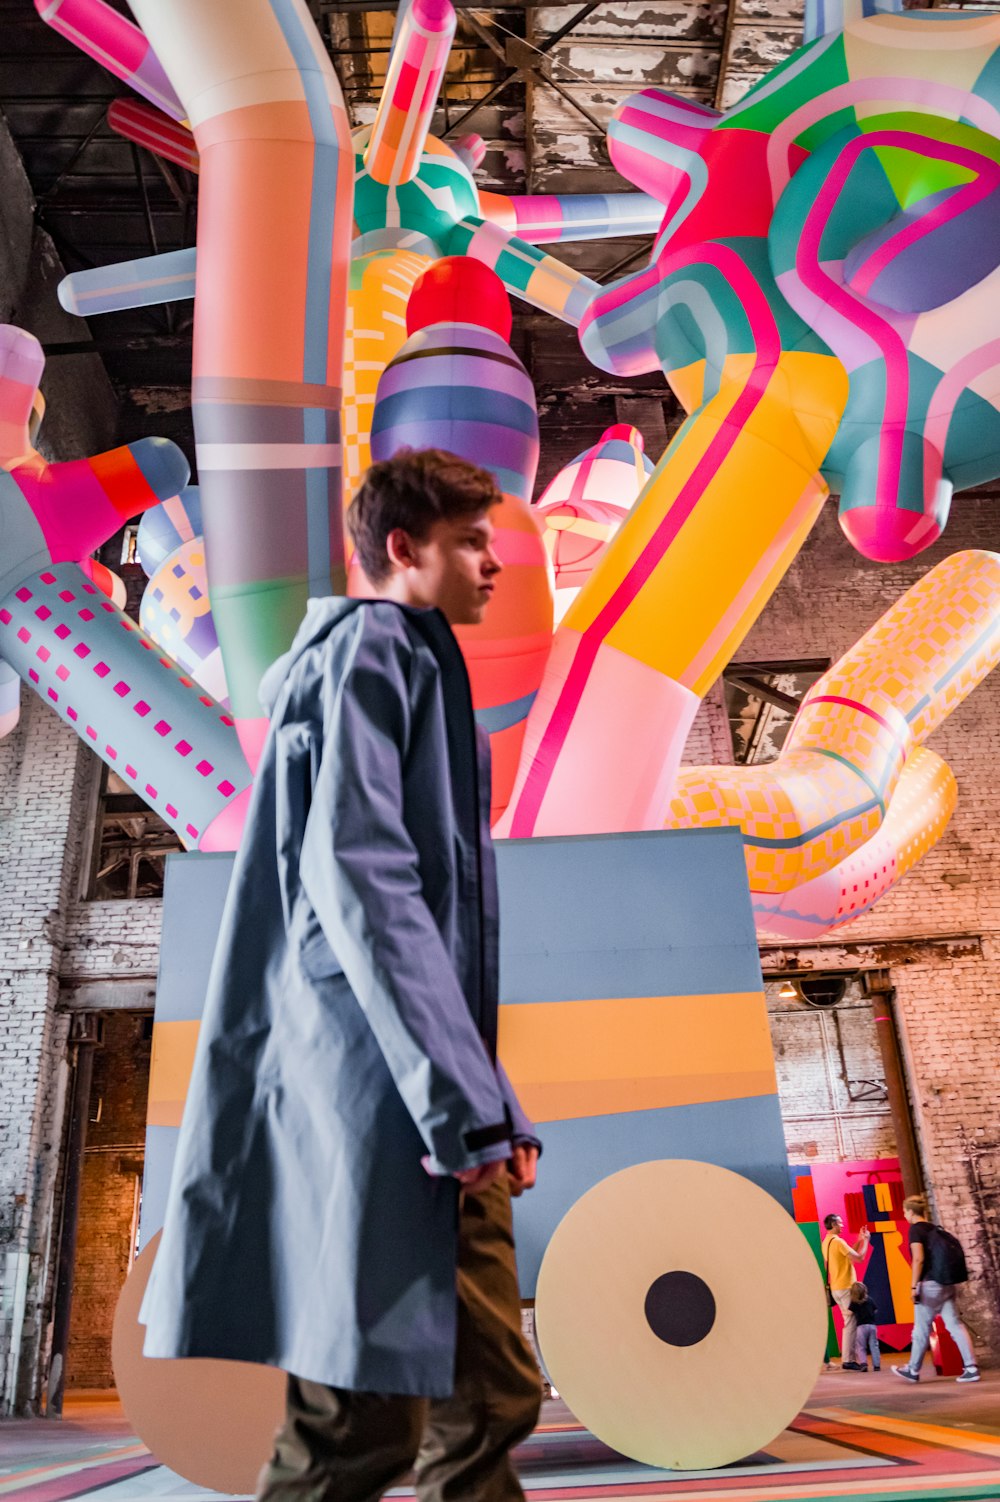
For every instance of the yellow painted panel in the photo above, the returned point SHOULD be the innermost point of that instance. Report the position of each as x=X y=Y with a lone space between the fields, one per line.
x=900 y=1278
x=637 y=1039
x=164 y=1113
x=174 y=1044
x=567 y=1100
x=578 y=1058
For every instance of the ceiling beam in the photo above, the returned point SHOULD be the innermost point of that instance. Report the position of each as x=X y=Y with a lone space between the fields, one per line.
x=727 y=47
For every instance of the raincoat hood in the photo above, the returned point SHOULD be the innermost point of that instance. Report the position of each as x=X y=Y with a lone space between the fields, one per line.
x=322 y=615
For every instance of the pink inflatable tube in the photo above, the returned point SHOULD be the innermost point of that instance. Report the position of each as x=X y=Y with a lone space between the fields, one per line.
x=116 y=44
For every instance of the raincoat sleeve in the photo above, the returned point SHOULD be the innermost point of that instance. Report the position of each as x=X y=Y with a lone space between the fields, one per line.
x=358 y=866
x=523 y=1128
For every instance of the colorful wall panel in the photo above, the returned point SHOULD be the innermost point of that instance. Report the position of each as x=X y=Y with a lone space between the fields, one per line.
x=868 y=1192
x=633 y=1021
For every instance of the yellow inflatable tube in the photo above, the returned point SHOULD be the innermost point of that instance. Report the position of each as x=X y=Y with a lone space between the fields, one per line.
x=918 y=815
x=829 y=791
x=723 y=515
x=378 y=289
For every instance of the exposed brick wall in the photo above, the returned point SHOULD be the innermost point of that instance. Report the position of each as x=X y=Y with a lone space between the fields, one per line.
x=108 y=1196
x=47 y=936
x=42 y=775
x=112 y=940
x=709 y=741
x=107 y=1202
x=951 y=1020
x=829 y=1118
x=40 y=772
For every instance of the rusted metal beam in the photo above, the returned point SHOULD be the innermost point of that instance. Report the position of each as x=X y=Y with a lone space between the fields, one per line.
x=78 y=151
x=867 y=954
x=545 y=77
x=528 y=62
x=627 y=262
x=483 y=32
x=491 y=94
x=756 y=686
x=108 y=993
x=887 y=1033
x=570 y=25
x=727 y=42
x=84 y=1038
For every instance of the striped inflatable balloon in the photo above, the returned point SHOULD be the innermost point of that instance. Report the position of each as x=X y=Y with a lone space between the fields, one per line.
x=458 y=386
x=166 y=526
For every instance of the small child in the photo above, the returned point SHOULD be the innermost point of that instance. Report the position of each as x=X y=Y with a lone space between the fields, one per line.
x=866 y=1338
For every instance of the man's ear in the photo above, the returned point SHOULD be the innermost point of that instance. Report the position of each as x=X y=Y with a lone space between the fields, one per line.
x=403 y=550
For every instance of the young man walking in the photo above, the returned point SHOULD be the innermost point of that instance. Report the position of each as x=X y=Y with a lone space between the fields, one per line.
x=937 y=1267
x=341 y=1202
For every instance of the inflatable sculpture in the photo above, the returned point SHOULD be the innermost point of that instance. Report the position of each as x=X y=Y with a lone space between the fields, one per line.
x=815 y=828
x=820 y=296
x=76 y=647
x=585 y=505
x=175 y=612
x=736 y=309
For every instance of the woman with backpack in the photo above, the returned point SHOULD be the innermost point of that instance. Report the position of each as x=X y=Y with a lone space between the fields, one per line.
x=938 y=1264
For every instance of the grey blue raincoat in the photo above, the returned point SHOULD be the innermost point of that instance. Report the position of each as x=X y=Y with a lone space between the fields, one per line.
x=349 y=1032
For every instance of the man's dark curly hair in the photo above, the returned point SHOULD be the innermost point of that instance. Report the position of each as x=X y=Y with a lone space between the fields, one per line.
x=413 y=490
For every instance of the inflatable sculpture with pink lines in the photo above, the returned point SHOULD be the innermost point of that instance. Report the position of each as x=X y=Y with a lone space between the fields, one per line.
x=820 y=295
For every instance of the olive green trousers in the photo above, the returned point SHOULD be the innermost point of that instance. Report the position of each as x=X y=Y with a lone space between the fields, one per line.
x=341 y=1446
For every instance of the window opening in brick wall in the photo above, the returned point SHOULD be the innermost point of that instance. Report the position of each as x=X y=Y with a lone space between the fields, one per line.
x=130 y=538
x=110 y=1197
x=834 y=1101
x=131 y=844
x=762 y=699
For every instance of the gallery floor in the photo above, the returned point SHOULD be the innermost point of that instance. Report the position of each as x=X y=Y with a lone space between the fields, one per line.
x=864 y=1437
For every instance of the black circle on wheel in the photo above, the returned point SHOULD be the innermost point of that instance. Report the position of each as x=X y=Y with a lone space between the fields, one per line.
x=680 y=1308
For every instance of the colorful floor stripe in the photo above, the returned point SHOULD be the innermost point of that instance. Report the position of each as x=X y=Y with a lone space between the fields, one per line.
x=830 y=1454
x=76 y=1475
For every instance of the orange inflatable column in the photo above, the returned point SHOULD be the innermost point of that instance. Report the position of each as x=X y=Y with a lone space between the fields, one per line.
x=274 y=234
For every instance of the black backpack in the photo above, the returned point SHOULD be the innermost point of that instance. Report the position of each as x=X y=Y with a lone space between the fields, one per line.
x=945 y=1258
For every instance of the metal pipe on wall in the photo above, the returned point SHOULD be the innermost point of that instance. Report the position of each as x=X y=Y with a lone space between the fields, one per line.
x=84 y=1038
x=883 y=993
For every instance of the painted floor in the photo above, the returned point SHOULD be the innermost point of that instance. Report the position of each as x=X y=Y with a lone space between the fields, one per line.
x=858 y=1438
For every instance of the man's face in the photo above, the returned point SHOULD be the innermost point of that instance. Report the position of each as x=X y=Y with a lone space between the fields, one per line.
x=454 y=567
x=838 y=1225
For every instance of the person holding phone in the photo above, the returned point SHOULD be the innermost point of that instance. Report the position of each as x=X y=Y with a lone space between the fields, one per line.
x=839 y=1259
